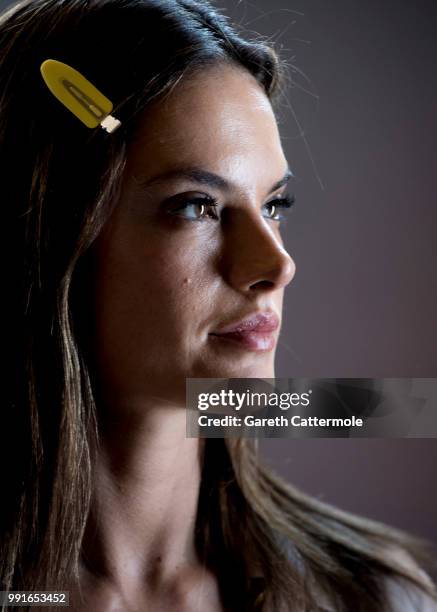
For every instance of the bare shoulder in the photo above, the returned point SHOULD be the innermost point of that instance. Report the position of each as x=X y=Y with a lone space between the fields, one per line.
x=402 y=594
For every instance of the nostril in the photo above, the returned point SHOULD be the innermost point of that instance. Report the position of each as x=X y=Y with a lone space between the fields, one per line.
x=263 y=284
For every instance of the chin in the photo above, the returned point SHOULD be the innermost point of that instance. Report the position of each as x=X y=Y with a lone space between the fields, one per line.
x=262 y=369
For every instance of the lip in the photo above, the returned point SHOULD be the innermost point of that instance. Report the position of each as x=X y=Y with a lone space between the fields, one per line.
x=254 y=332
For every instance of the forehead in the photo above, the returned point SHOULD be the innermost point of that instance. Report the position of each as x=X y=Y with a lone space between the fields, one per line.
x=218 y=118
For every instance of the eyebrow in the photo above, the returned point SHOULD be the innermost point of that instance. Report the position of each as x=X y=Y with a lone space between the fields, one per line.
x=205 y=177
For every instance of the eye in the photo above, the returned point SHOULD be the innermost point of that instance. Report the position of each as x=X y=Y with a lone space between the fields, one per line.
x=279 y=207
x=197 y=209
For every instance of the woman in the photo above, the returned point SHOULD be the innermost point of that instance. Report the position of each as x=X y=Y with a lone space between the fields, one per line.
x=127 y=253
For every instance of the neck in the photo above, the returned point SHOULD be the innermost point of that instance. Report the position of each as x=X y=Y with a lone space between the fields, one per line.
x=146 y=488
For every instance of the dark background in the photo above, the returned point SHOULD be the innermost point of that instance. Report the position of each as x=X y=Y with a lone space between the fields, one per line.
x=359 y=129
x=360 y=133
x=363 y=302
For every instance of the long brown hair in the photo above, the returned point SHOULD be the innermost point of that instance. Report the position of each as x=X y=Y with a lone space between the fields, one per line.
x=59 y=185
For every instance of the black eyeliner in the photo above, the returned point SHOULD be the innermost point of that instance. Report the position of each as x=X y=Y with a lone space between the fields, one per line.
x=285 y=201
x=205 y=200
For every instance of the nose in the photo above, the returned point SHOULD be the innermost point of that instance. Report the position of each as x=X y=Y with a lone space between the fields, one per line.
x=255 y=259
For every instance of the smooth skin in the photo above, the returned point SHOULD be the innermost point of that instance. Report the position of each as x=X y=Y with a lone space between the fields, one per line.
x=165 y=279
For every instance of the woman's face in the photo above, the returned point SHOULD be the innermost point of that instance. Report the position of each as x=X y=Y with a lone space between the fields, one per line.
x=171 y=268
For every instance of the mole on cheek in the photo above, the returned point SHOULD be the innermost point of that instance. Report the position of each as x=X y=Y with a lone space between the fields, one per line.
x=187 y=281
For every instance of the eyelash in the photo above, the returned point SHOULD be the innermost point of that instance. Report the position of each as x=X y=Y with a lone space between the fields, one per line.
x=283 y=203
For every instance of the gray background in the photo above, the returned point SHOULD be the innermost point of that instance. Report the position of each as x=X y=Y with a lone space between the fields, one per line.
x=360 y=135
x=364 y=298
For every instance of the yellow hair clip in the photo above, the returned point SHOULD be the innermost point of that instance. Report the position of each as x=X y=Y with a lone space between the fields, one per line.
x=80 y=96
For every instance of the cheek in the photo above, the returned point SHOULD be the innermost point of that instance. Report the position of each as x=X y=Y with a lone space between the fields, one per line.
x=157 y=289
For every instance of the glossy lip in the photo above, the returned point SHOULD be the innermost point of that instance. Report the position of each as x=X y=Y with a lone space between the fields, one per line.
x=254 y=333
x=265 y=321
